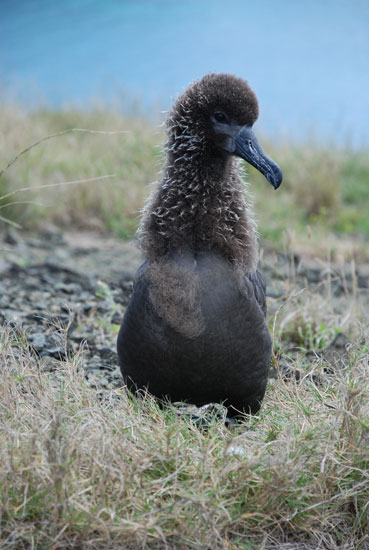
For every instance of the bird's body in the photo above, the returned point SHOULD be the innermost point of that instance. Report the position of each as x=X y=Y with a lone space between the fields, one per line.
x=208 y=366
x=195 y=327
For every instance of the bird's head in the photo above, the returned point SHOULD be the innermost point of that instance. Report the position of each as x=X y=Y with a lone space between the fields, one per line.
x=222 y=109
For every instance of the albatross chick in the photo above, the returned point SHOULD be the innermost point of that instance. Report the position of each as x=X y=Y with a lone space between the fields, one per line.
x=195 y=328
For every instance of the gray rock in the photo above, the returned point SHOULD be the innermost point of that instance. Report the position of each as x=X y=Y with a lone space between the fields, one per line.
x=12 y=236
x=50 y=344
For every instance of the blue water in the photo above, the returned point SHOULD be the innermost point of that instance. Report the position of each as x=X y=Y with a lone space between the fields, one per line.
x=308 y=62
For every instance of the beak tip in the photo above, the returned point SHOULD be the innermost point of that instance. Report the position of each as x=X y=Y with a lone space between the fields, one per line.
x=277 y=179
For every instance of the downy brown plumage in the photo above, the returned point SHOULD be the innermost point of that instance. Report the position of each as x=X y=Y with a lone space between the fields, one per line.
x=195 y=327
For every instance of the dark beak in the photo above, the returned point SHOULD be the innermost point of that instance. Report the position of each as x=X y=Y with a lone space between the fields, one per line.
x=248 y=148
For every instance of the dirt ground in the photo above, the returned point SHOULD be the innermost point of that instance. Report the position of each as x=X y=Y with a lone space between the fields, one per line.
x=67 y=292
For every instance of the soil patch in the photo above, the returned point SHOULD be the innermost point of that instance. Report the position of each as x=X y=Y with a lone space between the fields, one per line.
x=67 y=292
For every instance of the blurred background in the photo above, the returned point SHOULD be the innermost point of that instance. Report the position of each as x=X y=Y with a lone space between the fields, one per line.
x=307 y=61
x=117 y=65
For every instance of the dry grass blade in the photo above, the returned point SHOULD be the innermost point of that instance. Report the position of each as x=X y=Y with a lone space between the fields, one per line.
x=76 y=471
x=38 y=142
x=44 y=186
x=57 y=134
x=59 y=184
x=79 y=157
x=10 y=222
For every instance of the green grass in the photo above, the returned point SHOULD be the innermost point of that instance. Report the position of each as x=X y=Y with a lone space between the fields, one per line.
x=324 y=194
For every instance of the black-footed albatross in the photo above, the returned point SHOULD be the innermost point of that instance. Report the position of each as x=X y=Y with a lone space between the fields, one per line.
x=195 y=328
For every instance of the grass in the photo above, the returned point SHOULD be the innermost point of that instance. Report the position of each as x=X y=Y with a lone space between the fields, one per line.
x=80 y=469
x=324 y=195
x=97 y=470
x=110 y=204
x=323 y=200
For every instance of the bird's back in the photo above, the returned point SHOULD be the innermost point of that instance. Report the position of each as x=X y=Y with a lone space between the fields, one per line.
x=195 y=331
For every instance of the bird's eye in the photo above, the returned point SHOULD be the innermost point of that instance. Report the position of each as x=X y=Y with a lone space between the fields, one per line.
x=220 y=117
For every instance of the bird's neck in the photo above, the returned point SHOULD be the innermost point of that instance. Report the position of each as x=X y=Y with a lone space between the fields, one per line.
x=200 y=205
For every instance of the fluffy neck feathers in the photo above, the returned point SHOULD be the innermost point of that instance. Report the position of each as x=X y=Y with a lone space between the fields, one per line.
x=199 y=203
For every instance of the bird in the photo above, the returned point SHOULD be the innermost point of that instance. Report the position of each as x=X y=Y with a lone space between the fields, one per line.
x=195 y=328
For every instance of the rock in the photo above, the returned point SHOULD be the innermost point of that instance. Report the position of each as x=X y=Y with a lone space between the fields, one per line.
x=103 y=381
x=108 y=354
x=70 y=288
x=4 y=298
x=116 y=318
x=336 y=353
x=363 y=276
x=50 y=344
x=11 y=236
x=53 y=236
x=11 y=316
